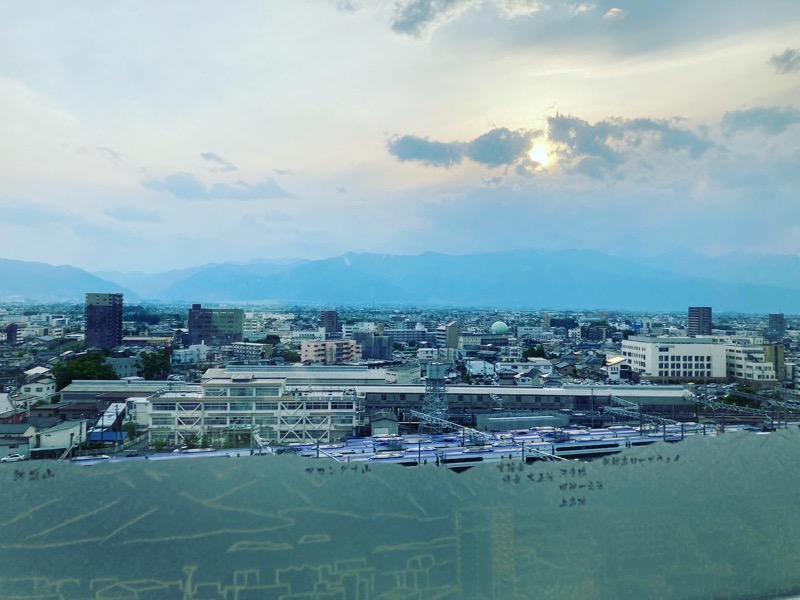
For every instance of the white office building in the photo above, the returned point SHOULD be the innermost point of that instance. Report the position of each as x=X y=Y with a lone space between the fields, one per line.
x=747 y=364
x=676 y=359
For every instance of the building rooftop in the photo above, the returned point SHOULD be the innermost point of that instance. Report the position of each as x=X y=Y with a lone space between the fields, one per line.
x=14 y=429
x=64 y=425
x=111 y=385
x=652 y=339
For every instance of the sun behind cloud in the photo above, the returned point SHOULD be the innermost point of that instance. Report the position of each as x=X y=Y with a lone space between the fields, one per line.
x=540 y=154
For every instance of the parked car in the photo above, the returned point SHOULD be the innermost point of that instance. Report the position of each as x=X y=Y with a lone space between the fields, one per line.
x=13 y=458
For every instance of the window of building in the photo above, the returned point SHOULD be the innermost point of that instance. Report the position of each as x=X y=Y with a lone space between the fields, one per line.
x=267 y=391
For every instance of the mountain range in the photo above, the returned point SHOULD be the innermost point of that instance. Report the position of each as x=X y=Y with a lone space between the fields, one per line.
x=570 y=279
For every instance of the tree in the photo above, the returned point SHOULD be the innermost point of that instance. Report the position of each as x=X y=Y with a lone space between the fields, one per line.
x=154 y=365
x=130 y=428
x=567 y=323
x=91 y=366
x=290 y=356
x=537 y=352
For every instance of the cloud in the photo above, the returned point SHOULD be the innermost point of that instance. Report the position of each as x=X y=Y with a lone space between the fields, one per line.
x=663 y=133
x=217 y=163
x=615 y=14
x=578 y=138
x=111 y=154
x=597 y=149
x=787 y=61
x=186 y=186
x=99 y=151
x=346 y=5
x=416 y=17
x=496 y=148
x=500 y=147
x=770 y=119
x=417 y=149
x=131 y=213
x=592 y=149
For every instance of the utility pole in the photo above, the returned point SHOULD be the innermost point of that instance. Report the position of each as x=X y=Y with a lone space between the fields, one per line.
x=252 y=427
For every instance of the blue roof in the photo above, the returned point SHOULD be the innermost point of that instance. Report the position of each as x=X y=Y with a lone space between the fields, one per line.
x=108 y=436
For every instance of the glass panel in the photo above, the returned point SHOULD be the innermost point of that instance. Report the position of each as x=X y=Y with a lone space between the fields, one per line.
x=219 y=528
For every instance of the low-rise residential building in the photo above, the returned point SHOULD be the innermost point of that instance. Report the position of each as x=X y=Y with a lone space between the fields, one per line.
x=442 y=355
x=124 y=366
x=474 y=341
x=523 y=366
x=297 y=336
x=15 y=438
x=53 y=442
x=617 y=368
x=330 y=352
x=195 y=354
x=251 y=351
x=40 y=389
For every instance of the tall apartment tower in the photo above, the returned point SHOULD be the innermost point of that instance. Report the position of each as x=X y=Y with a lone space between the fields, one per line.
x=699 y=321
x=103 y=326
x=451 y=334
x=776 y=326
x=329 y=319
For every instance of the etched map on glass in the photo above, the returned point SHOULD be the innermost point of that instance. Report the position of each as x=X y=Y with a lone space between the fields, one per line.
x=707 y=518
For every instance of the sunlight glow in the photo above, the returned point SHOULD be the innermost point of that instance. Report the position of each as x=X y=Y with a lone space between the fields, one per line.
x=540 y=154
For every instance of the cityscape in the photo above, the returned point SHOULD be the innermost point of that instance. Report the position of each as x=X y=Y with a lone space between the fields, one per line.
x=108 y=376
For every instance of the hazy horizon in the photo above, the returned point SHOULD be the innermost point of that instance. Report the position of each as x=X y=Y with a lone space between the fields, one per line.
x=158 y=136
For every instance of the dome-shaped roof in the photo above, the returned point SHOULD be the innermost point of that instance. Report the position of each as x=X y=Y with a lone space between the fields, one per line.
x=499 y=328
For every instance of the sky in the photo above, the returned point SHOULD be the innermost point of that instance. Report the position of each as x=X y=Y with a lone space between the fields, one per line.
x=143 y=135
